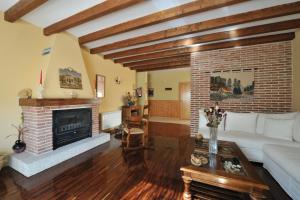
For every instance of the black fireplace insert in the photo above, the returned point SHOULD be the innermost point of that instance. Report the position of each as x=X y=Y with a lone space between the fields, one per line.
x=71 y=125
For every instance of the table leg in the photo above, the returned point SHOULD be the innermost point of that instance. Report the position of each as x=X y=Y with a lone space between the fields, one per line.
x=187 y=183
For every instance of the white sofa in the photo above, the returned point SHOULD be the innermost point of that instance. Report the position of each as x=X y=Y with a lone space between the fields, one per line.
x=272 y=139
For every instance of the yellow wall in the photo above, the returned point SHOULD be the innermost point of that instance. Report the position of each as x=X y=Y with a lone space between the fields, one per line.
x=296 y=71
x=20 y=58
x=114 y=93
x=159 y=80
x=20 y=61
x=65 y=53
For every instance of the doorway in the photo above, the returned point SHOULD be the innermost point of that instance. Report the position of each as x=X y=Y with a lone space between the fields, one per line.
x=185 y=100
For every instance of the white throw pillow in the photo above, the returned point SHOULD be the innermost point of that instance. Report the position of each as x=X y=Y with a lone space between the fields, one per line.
x=296 y=131
x=241 y=122
x=203 y=120
x=262 y=116
x=279 y=128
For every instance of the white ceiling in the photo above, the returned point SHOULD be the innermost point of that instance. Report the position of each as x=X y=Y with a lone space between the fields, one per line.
x=55 y=10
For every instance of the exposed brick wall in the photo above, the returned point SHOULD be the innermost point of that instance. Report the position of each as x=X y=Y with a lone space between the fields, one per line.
x=38 y=122
x=273 y=78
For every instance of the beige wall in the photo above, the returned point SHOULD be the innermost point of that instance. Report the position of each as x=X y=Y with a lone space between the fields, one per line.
x=114 y=93
x=296 y=71
x=20 y=62
x=159 y=80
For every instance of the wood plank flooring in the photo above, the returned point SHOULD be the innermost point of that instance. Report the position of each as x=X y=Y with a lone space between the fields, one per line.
x=108 y=173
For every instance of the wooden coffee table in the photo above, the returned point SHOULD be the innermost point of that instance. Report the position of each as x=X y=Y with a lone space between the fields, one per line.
x=212 y=180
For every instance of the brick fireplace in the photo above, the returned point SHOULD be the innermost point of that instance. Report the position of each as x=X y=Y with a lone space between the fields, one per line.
x=38 y=119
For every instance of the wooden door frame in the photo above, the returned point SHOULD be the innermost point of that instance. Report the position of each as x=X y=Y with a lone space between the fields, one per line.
x=180 y=102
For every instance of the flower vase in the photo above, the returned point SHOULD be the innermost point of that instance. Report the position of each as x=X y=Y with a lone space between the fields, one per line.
x=213 y=140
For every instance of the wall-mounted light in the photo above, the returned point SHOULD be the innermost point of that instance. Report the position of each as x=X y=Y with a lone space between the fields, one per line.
x=118 y=80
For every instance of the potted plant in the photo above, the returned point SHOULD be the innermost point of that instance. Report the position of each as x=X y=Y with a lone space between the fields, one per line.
x=214 y=116
x=19 y=145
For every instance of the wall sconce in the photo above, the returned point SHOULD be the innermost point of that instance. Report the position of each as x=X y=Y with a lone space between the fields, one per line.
x=118 y=80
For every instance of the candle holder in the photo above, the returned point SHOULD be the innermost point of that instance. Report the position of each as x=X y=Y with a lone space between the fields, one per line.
x=40 y=92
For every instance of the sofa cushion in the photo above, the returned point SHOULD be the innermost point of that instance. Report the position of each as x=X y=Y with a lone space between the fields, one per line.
x=279 y=128
x=248 y=140
x=262 y=116
x=296 y=131
x=241 y=122
x=286 y=157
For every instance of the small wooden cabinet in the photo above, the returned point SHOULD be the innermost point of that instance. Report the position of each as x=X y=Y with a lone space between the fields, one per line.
x=130 y=111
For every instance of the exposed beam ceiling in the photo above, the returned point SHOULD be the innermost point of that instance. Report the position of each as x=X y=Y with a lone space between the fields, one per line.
x=153 y=34
x=267 y=28
x=166 y=64
x=22 y=8
x=221 y=45
x=159 y=17
x=94 y=12
x=163 y=68
x=276 y=11
x=158 y=61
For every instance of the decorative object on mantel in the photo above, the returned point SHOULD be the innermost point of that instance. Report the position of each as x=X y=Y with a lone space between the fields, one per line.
x=131 y=99
x=40 y=89
x=198 y=159
x=214 y=116
x=19 y=145
x=232 y=84
x=25 y=93
x=70 y=79
x=3 y=160
x=73 y=94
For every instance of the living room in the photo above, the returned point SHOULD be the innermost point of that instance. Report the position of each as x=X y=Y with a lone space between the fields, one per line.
x=150 y=99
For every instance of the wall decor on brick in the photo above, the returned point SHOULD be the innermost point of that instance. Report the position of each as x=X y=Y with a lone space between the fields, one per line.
x=273 y=78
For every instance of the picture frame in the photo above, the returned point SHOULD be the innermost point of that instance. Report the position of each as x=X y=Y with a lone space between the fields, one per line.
x=150 y=92
x=100 y=86
x=139 y=92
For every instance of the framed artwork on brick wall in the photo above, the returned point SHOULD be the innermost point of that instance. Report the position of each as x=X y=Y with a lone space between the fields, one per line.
x=100 y=86
x=232 y=84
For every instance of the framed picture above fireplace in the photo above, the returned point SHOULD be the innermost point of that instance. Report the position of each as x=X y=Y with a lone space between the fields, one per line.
x=69 y=78
x=100 y=86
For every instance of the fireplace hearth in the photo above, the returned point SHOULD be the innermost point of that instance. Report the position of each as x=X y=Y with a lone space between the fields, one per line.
x=58 y=129
x=71 y=125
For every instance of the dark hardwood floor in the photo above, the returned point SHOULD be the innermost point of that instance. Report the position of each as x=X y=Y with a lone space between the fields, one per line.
x=106 y=172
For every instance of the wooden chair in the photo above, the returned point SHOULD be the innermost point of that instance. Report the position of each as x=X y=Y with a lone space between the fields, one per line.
x=135 y=133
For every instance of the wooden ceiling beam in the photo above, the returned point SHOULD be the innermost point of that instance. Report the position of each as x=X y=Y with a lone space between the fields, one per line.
x=22 y=8
x=208 y=47
x=158 y=61
x=266 y=28
x=159 y=17
x=163 y=68
x=107 y=7
x=262 y=14
x=166 y=64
